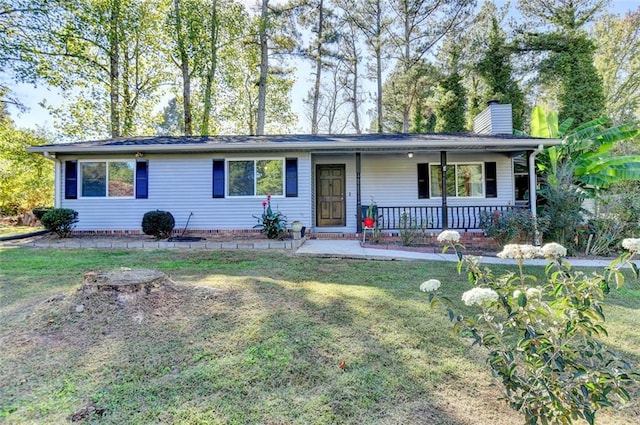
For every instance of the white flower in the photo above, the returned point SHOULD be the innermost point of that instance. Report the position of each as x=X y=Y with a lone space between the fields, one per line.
x=534 y=292
x=553 y=250
x=519 y=252
x=631 y=244
x=473 y=260
x=517 y=293
x=430 y=285
x=479 y=296
x=449 y=236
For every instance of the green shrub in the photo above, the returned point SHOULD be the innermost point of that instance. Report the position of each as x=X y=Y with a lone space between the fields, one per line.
x=544 y=337
x=410 y=231
x=60 y=221
x=512 y=225
x=39 y=212
x=158 y=223
x=561 y=206
x=616 y=217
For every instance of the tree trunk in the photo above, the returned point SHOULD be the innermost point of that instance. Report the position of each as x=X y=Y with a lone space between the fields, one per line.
x=353 y=66
x=354 y=97
x=406 y=107
x=264 y=69
x=184 y=68
x=316 y=86
x=211 y=72
x=378 y=50
x=127 y=101
x=114 y=69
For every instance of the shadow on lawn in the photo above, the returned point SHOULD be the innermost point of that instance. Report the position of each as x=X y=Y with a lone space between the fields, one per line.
x=251 y=339
x=245 y=350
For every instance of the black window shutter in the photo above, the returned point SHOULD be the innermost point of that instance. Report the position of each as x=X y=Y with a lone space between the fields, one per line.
x=491 y=180
x=71 y=180
x=218 y=178
x=423 y=181
x=142 y=179
x=291 y=177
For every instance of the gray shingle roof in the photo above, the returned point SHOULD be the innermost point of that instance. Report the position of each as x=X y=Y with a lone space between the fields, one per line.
x=347 y=142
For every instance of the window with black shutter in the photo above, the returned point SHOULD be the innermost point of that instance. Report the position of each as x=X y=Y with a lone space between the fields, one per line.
x=142 y=179
x=218 y=178
x=291 y=178
x=71 y=179
x=491 y=180
x=423 y=181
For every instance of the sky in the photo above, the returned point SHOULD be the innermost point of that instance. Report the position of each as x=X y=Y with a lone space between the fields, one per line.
x=38 y=117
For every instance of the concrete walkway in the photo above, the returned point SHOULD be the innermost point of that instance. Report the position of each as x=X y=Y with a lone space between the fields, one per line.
x=353 y=249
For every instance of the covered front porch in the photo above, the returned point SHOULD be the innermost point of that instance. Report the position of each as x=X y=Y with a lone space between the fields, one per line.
x=424 y=188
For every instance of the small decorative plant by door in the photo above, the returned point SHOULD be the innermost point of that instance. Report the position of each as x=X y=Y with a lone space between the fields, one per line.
x=370 y=219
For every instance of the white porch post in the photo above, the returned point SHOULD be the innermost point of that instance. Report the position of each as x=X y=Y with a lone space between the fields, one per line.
x=533 y=204
x=57 y=183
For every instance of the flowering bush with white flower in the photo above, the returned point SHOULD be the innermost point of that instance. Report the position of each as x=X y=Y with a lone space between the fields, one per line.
x=430 y=285
x=449 y=236
x=479 y=296
x=631 y=245
x=553 y=250
x=519 y=252
x=542 y=338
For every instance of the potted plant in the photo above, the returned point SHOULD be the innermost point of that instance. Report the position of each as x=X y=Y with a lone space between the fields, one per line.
x=370 y=218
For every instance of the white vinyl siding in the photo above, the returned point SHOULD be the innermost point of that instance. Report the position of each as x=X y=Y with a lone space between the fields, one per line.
x=392 y=179
x=182 y=184
x=495 y=119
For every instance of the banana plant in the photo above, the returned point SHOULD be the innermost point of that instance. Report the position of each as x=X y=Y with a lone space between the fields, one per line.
x=586 y=151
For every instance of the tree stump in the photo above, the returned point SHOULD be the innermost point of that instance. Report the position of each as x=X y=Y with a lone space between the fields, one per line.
x=125 y=284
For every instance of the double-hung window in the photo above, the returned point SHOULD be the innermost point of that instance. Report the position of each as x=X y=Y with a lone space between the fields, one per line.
x=259 y=177
x=107 y=179
x=463 y=180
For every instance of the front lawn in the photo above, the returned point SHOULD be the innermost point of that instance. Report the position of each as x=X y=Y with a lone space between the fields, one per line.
x=252 y=338
x=17 y=230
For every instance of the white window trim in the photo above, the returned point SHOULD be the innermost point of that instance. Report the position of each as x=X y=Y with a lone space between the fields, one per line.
x=455 y=164
x=107 y=161
x=255 y=179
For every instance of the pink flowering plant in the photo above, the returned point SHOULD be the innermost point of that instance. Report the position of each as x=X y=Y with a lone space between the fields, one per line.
x=272 y=223
x=544 y=338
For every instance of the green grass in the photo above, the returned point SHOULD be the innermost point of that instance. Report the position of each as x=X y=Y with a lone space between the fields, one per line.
x=256 y=338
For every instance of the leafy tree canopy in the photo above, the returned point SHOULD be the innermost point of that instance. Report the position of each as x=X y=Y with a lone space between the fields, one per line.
x=26 y=179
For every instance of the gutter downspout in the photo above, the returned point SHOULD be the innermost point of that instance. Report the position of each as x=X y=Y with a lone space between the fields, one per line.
x=532 y=191
x=56 y=180
x=358 y=192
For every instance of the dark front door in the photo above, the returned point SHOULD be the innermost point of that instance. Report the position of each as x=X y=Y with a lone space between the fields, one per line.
x=330 y=204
